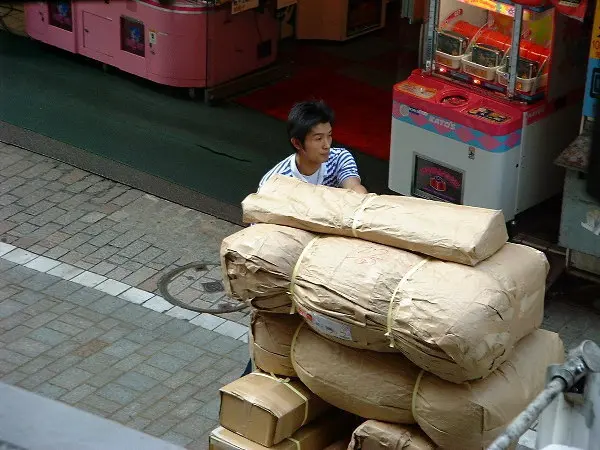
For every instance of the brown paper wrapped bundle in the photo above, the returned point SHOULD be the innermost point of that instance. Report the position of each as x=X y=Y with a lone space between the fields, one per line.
x=271 y=338
x=375 y=435
x=257 y=263
x=390 y=388
x=456 y=321
x=457 y=233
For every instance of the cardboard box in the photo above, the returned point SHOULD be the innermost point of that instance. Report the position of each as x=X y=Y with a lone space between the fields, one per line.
x=374 y=435
x=315 y=436
x=270 y=342
x=267 y=410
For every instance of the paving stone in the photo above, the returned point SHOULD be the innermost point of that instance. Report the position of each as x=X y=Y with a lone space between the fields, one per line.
x=183 y=393
x=15 y=334
x=211 y=409
x=166 y=362
x=27 y=297
x=139 y=276
x=152 y=348
x=160 y=426
x=103 y=268
x=199 y=337
x=88 y=314
x=57 y=253
x=117 y=393
x=100 y=403
x=109 y=323
x=64 y=363
x=134 y=249
x=107 y=304
x=13 y=377
x=16 y=358
x=175 y=328
x=63 y=327
x=84 y=297
x=36 y=379
x=152 y=320
x=153 y=372
x=131 y=312
x=195 y=426
x=184 y=351
x=28 y=347
x=48 y=336
x=71 y=378
x=97 y=362
x=88 y=335
x=39 y=282
x=128 y=413
x=50 y=390
x=206 y=378
x=118 y=273
x=223 y=345
x=122 y=348
x=142 y=336
x=77 y=394
x=153 y=395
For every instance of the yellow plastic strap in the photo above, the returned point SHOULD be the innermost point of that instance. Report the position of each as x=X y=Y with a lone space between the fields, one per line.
x=295 y=441
x=286 y=383
x=390 y=315
x=414 y=395
x=295 y=273
x=358 y=214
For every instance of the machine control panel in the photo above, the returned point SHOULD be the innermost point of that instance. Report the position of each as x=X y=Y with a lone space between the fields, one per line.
x=416 y=89
x=488 y=114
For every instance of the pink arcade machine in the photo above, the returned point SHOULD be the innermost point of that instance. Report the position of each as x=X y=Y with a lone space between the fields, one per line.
x=499 y=96
x=189 y=44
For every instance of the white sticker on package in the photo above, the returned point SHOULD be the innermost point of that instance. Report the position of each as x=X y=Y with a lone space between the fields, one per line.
x=326 y=325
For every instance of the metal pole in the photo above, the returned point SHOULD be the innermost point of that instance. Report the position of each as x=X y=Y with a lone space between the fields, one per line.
x=524 y=420
x=430 y=36
x=514 y=51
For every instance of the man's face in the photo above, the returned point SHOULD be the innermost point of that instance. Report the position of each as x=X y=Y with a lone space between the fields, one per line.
x=317 y=144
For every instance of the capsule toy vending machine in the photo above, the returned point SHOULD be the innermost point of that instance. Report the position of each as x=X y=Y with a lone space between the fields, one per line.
x=497 y=97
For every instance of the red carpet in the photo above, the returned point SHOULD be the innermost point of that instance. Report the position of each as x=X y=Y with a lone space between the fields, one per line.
x=363 y=112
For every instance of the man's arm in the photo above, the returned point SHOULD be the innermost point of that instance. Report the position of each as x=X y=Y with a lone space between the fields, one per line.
x=347 y=173
x=355 y=185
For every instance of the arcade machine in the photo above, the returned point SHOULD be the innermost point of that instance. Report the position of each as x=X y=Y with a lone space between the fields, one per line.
x=497 y=98
x=190 y=44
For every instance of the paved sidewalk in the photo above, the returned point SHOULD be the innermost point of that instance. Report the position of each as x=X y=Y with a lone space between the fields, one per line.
x=113 y=358
x=81 y=317
x=117 y=233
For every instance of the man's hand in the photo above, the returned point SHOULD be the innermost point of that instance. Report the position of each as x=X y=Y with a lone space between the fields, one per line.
x=353 y=184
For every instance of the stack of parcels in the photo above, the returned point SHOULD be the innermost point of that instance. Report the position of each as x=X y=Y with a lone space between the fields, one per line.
x=399 y=310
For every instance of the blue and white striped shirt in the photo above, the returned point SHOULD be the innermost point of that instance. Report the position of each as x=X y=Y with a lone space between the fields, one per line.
x=339 y=167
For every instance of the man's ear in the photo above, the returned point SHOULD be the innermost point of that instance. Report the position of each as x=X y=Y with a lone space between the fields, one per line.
x=297 y=144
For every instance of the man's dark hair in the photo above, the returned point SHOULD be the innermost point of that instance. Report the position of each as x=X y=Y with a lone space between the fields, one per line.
x=305 y=115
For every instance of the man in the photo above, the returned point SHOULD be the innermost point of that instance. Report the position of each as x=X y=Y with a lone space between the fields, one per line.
x=309 y=130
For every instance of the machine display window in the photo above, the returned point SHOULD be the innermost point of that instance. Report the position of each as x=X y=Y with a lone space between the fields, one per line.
x=434 y=181
x=61 y=15
x=133 y=36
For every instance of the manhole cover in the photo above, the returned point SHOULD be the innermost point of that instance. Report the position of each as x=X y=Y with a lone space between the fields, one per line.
x=198 y=287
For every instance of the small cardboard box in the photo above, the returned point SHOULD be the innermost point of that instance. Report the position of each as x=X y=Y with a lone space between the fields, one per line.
x=266 y=409
x=315 y=436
